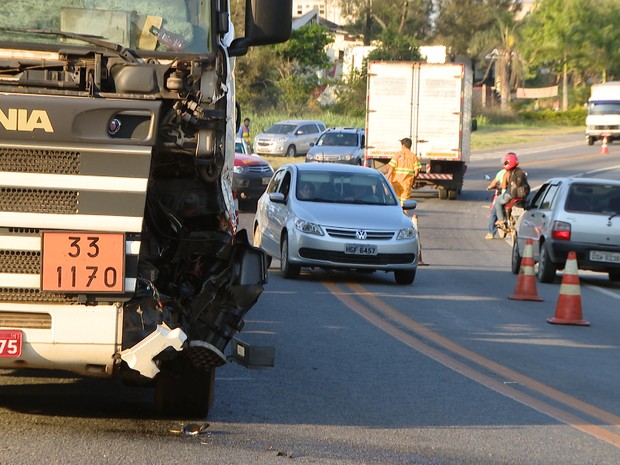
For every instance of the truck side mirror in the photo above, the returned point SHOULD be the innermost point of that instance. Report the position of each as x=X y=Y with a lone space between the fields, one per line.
x=266 y=22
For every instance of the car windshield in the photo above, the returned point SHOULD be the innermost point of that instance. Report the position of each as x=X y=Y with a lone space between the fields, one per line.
x=338 y=139
x=142 y=25
x=593 y=198
x=346 y=188
x=281 y=129
x=604 y=108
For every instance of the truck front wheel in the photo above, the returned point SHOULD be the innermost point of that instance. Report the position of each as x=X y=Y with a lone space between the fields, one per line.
x=182 y=390
x=590 y=140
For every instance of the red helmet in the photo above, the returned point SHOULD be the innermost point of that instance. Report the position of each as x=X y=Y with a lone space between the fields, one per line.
x=510 y=161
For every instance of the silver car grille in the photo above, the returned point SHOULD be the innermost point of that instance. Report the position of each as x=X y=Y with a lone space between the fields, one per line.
x=353 y=234
x=259 y=169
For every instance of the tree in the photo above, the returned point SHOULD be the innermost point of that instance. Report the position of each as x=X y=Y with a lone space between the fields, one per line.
x=460 y=21
x=370 y=18
x=556 y=31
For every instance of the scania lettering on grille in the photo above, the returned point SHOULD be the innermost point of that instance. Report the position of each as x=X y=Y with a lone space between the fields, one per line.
x=20 y=119
x=361 y=234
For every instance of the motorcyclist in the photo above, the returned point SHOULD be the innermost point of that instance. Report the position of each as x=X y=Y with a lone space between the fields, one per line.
x=510 y=162
x=495 y=184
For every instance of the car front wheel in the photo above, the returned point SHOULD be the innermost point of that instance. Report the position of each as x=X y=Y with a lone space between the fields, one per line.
x=546 y=268
x=291 y=151
x=404 y=276
x=287 y=269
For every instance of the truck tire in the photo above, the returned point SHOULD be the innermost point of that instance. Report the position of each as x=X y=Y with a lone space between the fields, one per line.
x=452 y=194
x=590 y=140
x=182 y=390
x=443 y=193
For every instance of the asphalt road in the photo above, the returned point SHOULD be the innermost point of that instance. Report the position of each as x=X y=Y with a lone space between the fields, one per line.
x=446 y=371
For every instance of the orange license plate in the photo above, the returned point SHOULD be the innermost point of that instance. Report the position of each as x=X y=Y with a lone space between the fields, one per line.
x=82 y=262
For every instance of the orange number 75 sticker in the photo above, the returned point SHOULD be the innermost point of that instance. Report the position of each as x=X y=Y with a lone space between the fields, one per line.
x=82 y=262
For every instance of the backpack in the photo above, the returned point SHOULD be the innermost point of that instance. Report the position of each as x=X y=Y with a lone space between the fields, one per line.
x=517 y=184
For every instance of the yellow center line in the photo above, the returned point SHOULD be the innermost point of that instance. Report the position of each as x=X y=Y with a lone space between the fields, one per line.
x=545 y=408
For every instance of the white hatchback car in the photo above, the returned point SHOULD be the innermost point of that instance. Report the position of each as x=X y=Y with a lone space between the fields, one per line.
x=336 y=216
x=572 y=214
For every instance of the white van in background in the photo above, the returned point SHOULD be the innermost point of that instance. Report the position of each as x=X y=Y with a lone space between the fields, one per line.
x=603 y=112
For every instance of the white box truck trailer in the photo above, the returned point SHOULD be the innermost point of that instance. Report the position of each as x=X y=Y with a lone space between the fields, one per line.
x=431 y=104
x=603 y=112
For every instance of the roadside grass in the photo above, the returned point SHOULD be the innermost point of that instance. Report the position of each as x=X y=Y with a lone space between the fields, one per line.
x=485 y=138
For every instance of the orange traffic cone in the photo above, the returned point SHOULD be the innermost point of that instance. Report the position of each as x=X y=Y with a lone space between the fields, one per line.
x=568 y=309
x=414 y=220
x=604 y=149
x=526 y=281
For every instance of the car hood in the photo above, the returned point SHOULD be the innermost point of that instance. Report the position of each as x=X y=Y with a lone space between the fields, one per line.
x=331 y=150
x=377 y=217
x=249 y=160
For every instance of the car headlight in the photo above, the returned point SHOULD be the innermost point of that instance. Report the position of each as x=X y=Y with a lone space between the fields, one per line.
x=240 y=169
x=310 y=156
x=308 y=227
x=408 y=233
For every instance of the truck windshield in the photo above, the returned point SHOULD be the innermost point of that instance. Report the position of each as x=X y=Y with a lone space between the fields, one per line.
x=176 y=26
x=604 y=108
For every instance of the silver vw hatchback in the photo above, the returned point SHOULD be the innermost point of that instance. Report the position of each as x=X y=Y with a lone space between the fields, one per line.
x=572 y=214
x=336 y=216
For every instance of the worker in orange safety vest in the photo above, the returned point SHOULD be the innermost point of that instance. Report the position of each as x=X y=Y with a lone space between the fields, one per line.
x=402 y=170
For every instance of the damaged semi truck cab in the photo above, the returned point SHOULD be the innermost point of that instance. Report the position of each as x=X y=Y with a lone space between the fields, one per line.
x=119 y=249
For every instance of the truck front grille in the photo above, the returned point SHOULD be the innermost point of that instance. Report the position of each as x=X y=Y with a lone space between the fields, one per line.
x=35 y=295
x=38 y=201
x=25 y=320
x=20 y=261
x=26 y=160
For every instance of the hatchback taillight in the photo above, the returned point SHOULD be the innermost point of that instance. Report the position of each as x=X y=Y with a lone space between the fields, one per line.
x=561 y=231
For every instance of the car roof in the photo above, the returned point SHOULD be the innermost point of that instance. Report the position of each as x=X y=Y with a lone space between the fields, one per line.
x=330 y=167
x=299 y=121
x=343 y=129
x=571 y=180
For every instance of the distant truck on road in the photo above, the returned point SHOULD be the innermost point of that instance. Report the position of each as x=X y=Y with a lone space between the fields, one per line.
x=603 y=112
x=431 y=104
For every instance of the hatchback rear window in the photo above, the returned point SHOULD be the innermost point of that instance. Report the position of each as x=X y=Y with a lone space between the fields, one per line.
x=593 y=198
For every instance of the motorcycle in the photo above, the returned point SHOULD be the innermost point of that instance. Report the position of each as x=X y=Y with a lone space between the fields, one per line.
x=512 y=211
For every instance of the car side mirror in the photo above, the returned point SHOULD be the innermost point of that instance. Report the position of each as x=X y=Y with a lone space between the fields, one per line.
x=409 y=204
x=277 y=197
